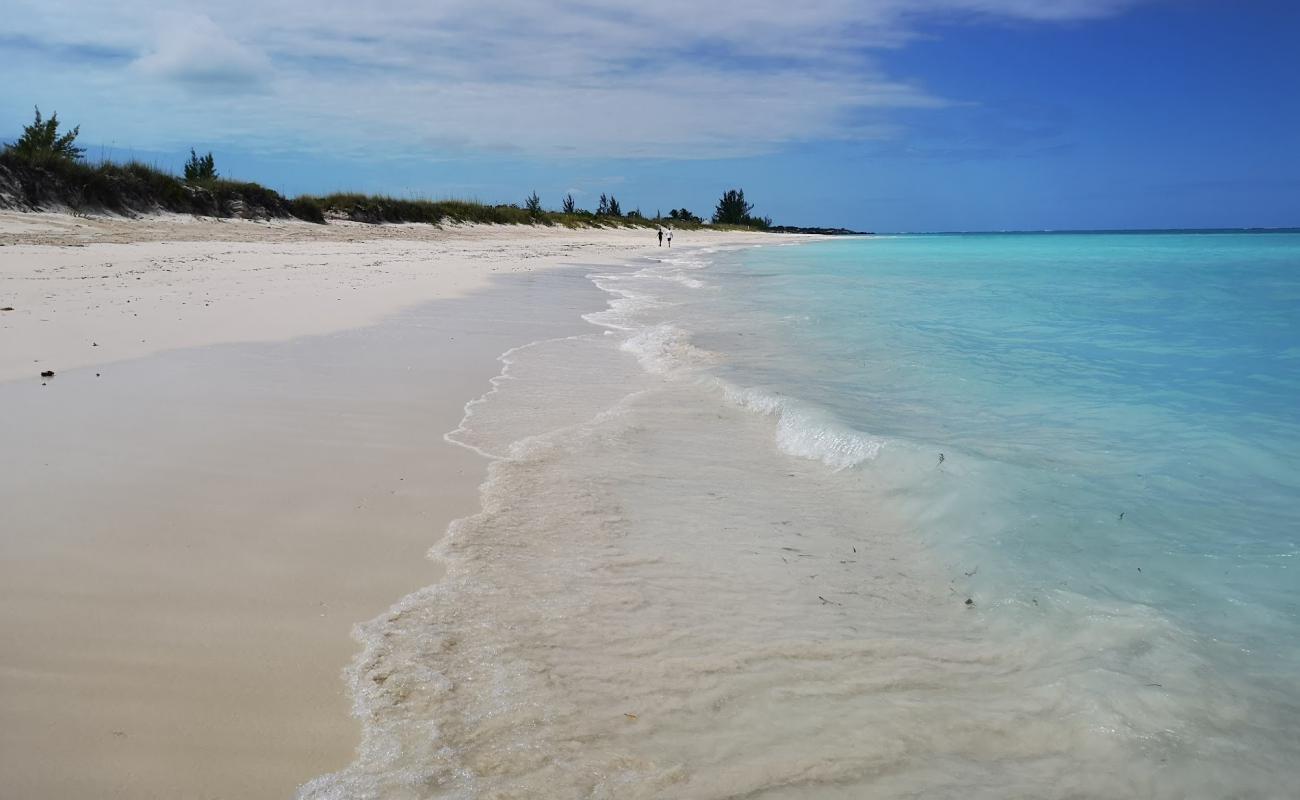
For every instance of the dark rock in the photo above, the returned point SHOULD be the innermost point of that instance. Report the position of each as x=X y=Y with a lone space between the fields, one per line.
x=818 y=231
x=49 y=373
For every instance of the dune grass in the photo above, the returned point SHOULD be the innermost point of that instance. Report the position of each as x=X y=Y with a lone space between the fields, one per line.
x=134 y=187
x=45 y=169
x=381 y=208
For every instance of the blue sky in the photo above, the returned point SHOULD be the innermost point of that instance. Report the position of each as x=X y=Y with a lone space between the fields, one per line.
x=873 y=114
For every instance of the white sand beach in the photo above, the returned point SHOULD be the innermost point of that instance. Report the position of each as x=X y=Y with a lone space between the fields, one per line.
x=238 y=458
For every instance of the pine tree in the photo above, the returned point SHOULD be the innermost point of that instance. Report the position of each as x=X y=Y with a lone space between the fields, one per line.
x=200 y=169
x=41 y=142
x=732 y=208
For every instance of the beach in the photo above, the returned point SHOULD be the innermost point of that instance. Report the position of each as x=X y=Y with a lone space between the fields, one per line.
x=240 y=456
x=414 y=512
x=897 y=516
x=440 y=401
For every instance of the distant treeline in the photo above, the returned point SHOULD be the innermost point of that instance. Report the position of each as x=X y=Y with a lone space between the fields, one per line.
x=45 y=169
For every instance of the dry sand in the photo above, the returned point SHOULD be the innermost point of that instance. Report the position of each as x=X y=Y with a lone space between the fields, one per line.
x=239 y=457
x=87 y=292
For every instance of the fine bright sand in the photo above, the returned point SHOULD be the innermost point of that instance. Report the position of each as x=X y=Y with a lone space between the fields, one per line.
x=239 y=456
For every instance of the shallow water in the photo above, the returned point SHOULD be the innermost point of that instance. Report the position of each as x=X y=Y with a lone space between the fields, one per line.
x=720 y=555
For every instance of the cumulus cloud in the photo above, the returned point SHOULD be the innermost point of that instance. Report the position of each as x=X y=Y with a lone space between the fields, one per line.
x=673 y=78
x=195 y=50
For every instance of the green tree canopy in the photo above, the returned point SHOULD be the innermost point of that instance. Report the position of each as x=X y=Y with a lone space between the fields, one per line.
x=732 y=208
x=41 y=142
x=200 y=169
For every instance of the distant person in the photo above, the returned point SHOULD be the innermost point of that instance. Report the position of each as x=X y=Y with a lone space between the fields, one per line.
x=661 y=237
x=670 y=237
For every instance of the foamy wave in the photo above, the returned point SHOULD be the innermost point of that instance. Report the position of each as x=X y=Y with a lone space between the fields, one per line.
x=806 y=432
x=688 y=263
x=666 y=349
x=683 y=279
x=625 y=308
x=547 y=385
x=663 y=349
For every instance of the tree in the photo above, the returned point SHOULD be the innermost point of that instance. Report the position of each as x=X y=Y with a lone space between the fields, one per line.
x=41 y=142
x=683 y=215
x=614 y=209
x=732 y=208
x=570 y=207
x=603 y=208
x=200 y=169
x=534 y=204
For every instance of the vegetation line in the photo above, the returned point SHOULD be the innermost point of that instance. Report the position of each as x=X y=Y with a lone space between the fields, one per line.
x=46 y=170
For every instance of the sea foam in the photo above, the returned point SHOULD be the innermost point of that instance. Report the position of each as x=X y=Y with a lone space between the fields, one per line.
x=694 y=574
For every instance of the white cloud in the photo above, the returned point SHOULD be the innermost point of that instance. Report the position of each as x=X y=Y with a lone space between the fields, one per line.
x=195 y=50
x=672 y=78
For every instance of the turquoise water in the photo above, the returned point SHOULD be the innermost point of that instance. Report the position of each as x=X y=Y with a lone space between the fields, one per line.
x=1157 y=376
x=922 y=516
x=1119 y=414
x=1095 y=436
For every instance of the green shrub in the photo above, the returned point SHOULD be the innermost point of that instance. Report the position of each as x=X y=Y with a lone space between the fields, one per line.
x=732 y=208
x=200 y=169
x=42 y=144
x=307 y=208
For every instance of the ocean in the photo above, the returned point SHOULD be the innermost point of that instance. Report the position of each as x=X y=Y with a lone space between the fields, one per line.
x=992 y=515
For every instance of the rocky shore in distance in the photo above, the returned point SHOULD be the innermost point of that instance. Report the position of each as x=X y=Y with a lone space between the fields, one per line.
x=819 y=231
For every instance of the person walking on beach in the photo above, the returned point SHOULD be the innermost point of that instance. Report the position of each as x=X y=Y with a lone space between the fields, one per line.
x=661 y=237
x=670 y=237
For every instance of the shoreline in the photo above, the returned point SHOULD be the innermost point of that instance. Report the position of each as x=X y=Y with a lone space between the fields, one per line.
x=207 y=523
x=182 y=623
x=662 y=597
x=95 y=291
x=618 y=615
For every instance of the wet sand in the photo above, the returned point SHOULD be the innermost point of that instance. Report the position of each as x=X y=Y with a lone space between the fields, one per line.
x=190 y=534
x=190 y=537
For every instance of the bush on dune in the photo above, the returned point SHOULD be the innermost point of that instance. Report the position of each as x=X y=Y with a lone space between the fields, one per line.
x=200 y=169
x=44 y=169
x=41 y=144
